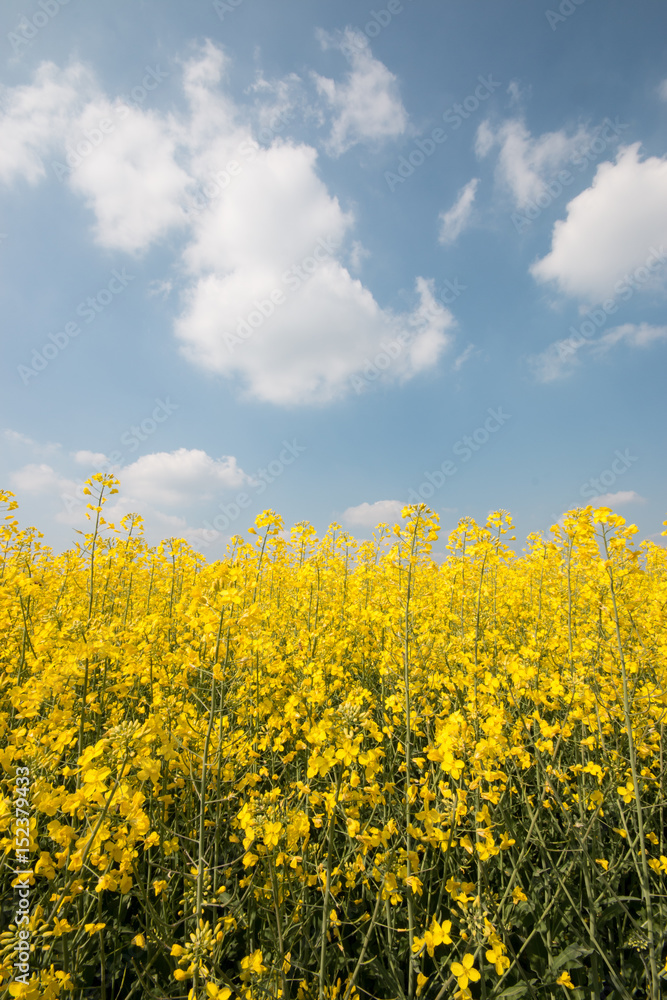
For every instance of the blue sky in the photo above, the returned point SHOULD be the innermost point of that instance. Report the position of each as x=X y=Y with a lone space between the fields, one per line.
x=330 y=258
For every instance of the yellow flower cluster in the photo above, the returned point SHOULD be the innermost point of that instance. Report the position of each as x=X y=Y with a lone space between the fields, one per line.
x=324 y=768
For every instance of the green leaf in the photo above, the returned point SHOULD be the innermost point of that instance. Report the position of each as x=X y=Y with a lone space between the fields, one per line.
x=512 y=992
x=570 y=954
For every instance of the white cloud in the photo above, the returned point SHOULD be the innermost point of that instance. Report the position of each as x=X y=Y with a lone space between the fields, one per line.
x=617 y=499
x=132 y=181
x=278 y=103
x=560 y=359
x=556 y=361
x=18 y=440
x=630 y=334
x=159 y=287
x=367 y=106
x=94 y=458
x=610 y=228
x=455 y=220
x=272 y=304
x=484 y=140
x=34 y=117
x=517 y=93
x=39 y=479
x=152 y=486
x=469 y=352
x=662 y=90
x=181 y=477
x=357 y=255
x=316 y=340
x=525 y=164
x=369 y=515
x=263 y=222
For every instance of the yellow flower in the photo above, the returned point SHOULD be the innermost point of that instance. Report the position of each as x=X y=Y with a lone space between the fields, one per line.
x=518 y=895
x=93 y=928
x=564 y=980
x=415 y=884
x=627 y=791
x=421 y=983
x=603 y=862
x=26 y=991
x=464 y=971
x=252 y=964
x=437 y=934
x=498 y=959
x=61 y=927
x=466 y=844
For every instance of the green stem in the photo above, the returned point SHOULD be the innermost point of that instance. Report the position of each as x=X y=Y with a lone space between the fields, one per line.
x=645 y=882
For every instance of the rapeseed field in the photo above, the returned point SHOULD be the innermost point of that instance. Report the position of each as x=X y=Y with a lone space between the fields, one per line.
x=324 y=768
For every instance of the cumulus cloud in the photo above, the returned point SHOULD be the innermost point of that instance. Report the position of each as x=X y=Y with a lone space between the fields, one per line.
x=267 y=297
x=525 y=163
x=132 y=183
x=369 y=515
x=159 y=486
x=271 y=302
x=40 y=478
x=34 y=117
x=181 y=477
x=455 y=220
x=611 y=228
x=366 y=105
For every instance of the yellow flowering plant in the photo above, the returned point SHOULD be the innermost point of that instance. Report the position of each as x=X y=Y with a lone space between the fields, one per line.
x=320 y=768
